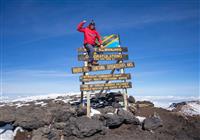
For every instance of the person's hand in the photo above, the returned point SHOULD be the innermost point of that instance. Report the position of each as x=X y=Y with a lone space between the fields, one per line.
x=84 y=21
x=101 y=46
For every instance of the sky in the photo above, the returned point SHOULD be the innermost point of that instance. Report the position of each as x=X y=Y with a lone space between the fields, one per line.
x=39 y=44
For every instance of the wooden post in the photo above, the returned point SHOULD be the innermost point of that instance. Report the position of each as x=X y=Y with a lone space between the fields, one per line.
x=88 y=93
x=82 y=92
x=88 y=104
x=124 y=90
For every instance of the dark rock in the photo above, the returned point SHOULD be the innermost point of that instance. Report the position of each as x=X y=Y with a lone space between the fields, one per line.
x=116 y=105
x=44 y=133
x=39 y=135
x=81 y=110
x=62 y=114
x=113 y=120
x=54 y=135
x=152 y=123
x=103 y=100
x=107 y=109
x=30 y=117
x=129 y=118
x=96 y=116
x=132 y=108
x=67 y=131
x=7 y=115
x=131 y=99
x=59 y=125
x=85 y=127
x=114 y=97
x=144 y=104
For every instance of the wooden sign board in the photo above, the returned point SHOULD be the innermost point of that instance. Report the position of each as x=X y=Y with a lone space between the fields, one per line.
x=117 y=49
x=104 y=77
x=106 y=86
x=82 y=57
x=103 y=67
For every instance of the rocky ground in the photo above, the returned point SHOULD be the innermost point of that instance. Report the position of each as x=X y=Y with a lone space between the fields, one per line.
x=57 y=119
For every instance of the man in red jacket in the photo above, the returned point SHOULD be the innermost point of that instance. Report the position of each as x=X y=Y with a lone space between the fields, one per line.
x=90 y=37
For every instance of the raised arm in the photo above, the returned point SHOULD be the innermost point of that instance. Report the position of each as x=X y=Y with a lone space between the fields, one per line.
x=99 y=38
x=80 y=26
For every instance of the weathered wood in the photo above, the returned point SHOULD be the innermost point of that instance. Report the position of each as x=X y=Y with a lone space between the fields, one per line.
x=82 y=57
x=88 y=105
x=103 y=67
x=104 y=77
x=117 y=49
x=107 y=86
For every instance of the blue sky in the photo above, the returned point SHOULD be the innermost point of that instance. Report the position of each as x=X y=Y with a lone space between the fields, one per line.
x=39 y=42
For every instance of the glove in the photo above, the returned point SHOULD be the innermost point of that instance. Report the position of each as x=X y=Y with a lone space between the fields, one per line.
x=101 y=46
x=84 y=21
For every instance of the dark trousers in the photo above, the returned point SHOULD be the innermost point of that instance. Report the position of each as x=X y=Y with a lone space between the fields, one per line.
x=90 y=51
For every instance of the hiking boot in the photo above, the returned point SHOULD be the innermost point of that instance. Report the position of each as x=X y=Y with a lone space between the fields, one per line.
x=95 y=63
x=89 y=64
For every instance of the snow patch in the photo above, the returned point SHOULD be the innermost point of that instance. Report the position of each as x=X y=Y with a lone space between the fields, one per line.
x=7 y=133
x=38 y=97
x=165 y=101
x=140 y=118
x=94 y=111
x=40 y=103
x=191 y=109
x=21 y=104
x=2 y=105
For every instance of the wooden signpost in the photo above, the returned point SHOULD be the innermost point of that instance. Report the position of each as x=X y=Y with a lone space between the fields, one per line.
x=106 y=81
x=117 y=49
x=82 y=57
x=103 y=67
x=105 y=77
x=106 y=86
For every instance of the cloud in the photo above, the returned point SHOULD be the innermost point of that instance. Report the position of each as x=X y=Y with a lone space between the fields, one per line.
x=38 y=81
x=157 y=15
x=168 y=89
x=37 y=73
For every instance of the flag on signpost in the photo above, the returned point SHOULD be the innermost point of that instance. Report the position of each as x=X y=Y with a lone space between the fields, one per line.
x=110 y=41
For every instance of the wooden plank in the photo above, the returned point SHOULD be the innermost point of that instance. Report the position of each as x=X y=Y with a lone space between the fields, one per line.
x=107 y=86
x=103 y=67
x=82 y=57
x=104 y=77
x=117 y=49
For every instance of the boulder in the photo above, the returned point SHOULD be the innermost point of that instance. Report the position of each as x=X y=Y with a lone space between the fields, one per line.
x=39 y=135
x=7 y=115
x=96 y=116
x=131 y=99
x=152 y=123
x=54 y=134
x=85 y=127
x=144 y=104
x=116 y=105
x=63 y=113
x=128 y=117
x=59 y=125
x=30 y=117
x=81 y=110
x=107 y=109
x=44 y=133
x=132 y=108
x=112 y=120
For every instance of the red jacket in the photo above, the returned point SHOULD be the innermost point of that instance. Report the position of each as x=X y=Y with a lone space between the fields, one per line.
x=90 y=36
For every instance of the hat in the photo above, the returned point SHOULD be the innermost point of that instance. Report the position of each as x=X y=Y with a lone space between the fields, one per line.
x=92 y=23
